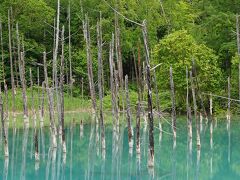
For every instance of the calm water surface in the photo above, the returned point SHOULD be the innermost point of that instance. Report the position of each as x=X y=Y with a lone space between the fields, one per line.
x=85 y=160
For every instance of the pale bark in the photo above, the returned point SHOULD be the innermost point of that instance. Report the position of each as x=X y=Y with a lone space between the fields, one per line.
x=100 y=81
x=69 y=47
x=50 y=105
x=195 y=110
x=150 y=113
x=89 y=63
x=129 y=115
x=173 y=104
x=62 y=94
x=11 y=63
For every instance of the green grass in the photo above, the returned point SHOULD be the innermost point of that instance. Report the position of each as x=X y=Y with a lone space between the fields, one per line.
x=70 y=103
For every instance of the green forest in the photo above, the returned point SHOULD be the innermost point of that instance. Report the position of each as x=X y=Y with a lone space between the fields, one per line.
x=180 y=33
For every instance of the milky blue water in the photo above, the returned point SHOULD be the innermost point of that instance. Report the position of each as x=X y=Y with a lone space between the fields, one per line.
x=86 y=160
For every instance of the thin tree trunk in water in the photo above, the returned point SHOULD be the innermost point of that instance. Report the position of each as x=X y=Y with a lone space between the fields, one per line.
x=6 y=153
x=69 y=47
x=6 y=99
x=42 y=105
x=89 y=63
x=2 y=52
x=32 y=98
x=238 y=47
x=187 y=96
x=138 y=127
x=100 y=81
x=82 y=86
x=36 y=144
x=62 y=94
x=195 y=111
x=150 y=113
x=50 y=105
x=118 y=50
x=55 y=52
x=157 y=100
x=129 y=115
x=119 y=62
x=190 y=122
x=112 y=78
x=23 y=82
x=11 y=64
x=229 y=101
x=39 y=97
x=173 y=104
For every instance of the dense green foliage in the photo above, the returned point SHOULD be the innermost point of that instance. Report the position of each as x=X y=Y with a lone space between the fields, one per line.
x=179 y=31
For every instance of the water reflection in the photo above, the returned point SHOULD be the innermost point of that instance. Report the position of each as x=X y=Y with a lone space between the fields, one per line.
x=85 y=159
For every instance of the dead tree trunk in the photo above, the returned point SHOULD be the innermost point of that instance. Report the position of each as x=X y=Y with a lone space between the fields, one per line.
x=173 y=104
x=129 y=115
x=62 y=94
x=229 y=101
x=6 y=153
x=118 y=50
x=36 y=144
x=157 y=101
x=2 y=52
x=42 y=104
x=39 y=97
x=238 y=47
x=187 y=96
x=23 y=82
x=89 y=63
x=112 y=79
x=195 y=111
x=6 y=99
x=32 y=98
x=138 y=150
x=100 y=81
x=150 y=113
x=11 y=63
x=50 y=105
x=69 y=48
x=55 y=51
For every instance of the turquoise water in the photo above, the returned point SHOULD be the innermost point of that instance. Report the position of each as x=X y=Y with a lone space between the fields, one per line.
x=85 y=160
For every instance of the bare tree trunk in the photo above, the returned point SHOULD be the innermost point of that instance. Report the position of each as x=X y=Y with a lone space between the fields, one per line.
x=55 y=52
x=100 y=81
x=23 y=82
x=195 y=111
x=112 y=87
x=157 y=101
x=89 y=63
x=11 y=63
x=82 y=86
x=229 y=101
x=69 y=47
x=39 y=97
x=150 y=113
x=6 y=99
x=173 y=104
x=62 y=94
x=2 y=52
x=187 y=96
x=118 y=50
x=50 y=105
x=138 y=150
x=36 y=144
x=32 y=98
x=238 y=47
x=42 y=105
x=129 y=115
x=6 y=153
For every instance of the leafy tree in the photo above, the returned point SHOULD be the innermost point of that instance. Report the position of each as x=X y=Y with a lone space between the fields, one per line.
x=178 y=50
